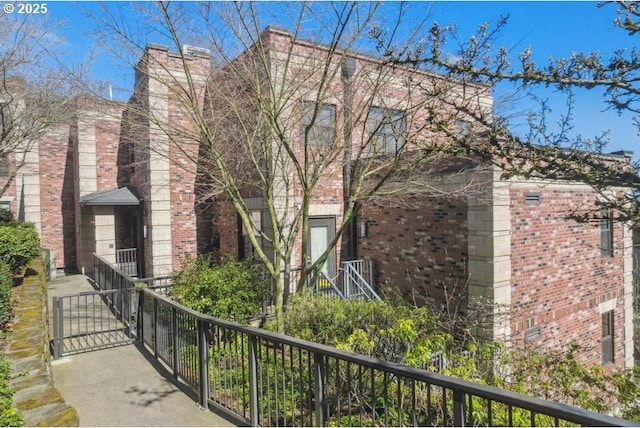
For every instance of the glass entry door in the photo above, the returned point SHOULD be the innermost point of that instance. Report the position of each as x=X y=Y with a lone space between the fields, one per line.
x=321 y=233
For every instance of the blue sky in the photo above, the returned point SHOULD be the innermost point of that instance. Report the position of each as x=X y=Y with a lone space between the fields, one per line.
x=549 y=28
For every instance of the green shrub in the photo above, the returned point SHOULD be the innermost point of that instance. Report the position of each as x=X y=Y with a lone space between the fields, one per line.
x=9 y=416
x=6 y=283
x=6 y=216
x=19 y=243
x=387 y=330
x=231 y=290
x=410 y=336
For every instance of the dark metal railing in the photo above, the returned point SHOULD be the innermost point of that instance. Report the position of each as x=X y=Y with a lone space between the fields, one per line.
x=267 y=379
x=93 y=320
x=103 y=318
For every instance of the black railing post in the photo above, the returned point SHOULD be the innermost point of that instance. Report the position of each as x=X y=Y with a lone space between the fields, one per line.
x=458 y=408
x=253 y=381
x=57 y=327
x=203 y=363
x=174 y=340
x=140 y=320
x=319 y=391
x=154 y=320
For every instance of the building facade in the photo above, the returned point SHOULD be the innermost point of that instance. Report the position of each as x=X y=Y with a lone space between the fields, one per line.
x=124 y=176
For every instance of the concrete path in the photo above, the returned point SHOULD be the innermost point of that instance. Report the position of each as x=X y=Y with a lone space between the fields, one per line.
x=120 y=386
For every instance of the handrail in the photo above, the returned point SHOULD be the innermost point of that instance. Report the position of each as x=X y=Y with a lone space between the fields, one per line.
x=362 y=285
x=330 y=290
x=265 y=347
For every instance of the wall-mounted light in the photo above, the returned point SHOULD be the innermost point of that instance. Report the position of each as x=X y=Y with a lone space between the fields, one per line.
x=363 y=229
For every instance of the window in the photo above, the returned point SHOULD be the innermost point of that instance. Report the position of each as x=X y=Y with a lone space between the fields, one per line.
x=245 y=248
x=606 y=234
x=607 y=337
x=4 y=166
x=322 y=130
x=386 y=127
x=463 y=127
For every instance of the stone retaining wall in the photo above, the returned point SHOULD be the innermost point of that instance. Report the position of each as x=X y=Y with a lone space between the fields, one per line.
x=28 y=350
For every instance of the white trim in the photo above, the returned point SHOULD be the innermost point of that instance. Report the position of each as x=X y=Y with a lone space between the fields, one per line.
x=316 y=210
x=607 y=306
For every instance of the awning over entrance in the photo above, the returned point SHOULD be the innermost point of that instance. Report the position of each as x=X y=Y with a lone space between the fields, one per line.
x=123 y=196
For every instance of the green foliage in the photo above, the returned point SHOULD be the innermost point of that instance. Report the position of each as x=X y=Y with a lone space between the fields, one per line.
x=390 y=331
x=9 y=416
x=6 y=284
x=397 y=333
x=6 y=216
x=231 y=290
x=19 y=243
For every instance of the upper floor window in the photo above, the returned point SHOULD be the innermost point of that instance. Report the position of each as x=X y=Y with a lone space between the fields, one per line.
x=606 y=234
x=463 y=127
x=318 y=126
x=4 y=166
x=387 y=128
x=607 y=337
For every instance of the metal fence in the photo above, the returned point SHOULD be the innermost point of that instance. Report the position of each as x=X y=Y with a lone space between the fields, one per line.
x=127 y=261
x=93 y=320
x=103 y=318
x=273 y=380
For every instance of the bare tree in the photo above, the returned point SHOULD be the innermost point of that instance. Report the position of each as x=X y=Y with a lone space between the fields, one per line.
x=292 y=120
x=36 y=90
x=545 y=151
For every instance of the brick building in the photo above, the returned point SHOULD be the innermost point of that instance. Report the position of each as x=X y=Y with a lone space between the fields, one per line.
x=123 y=176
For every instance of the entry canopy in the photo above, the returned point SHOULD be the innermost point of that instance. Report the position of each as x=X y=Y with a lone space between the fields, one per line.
x=124 y=196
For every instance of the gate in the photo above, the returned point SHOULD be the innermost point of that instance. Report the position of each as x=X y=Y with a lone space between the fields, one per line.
x=93 y=320
x=100 y=319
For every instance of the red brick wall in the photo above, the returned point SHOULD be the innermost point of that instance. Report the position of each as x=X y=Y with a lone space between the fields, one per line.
x=559 y=276
x=57 y=201
x=225 y=229
x=107 y=144
x=182 y=167
x=418 y=252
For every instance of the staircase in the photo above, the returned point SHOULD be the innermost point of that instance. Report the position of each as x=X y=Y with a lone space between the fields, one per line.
x=355 y=278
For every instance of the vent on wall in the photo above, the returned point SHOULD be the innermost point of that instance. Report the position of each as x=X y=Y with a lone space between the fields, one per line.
x=532 y=198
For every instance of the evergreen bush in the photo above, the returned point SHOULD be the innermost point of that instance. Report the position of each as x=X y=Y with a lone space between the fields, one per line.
x=19 y=243
x=6 y=283
x=230 y=290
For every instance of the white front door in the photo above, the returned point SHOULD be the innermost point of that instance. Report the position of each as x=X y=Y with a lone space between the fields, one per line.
x=321 y=233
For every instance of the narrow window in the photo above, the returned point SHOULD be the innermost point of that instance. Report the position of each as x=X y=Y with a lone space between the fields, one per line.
x=387 y=128
x=245 y=248
x=606 y=234
x=463 y=127
x=607 y=337
x=321 y=128
x=4 y=166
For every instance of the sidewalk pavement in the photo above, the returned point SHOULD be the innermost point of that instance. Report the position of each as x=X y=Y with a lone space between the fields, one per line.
x=120 y=386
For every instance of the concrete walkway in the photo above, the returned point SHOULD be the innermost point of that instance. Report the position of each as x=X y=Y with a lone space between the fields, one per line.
x=120 y=386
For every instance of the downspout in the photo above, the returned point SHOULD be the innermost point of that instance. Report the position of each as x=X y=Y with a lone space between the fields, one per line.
x=348 y=69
